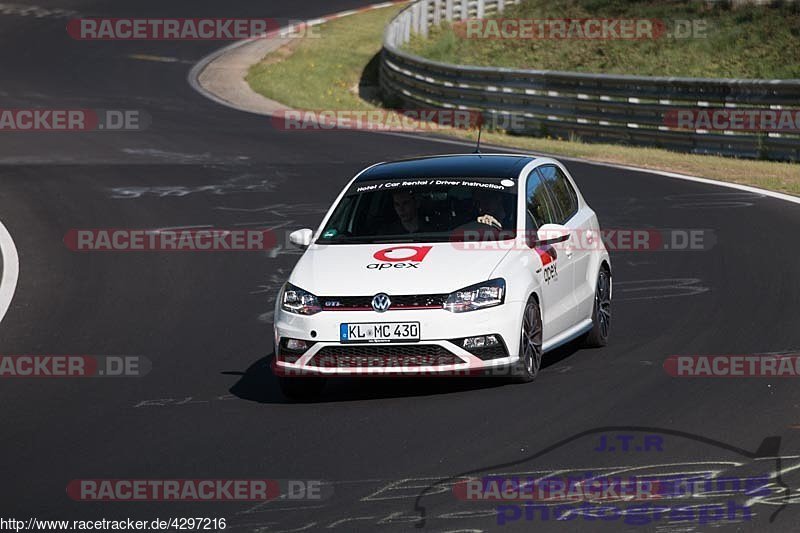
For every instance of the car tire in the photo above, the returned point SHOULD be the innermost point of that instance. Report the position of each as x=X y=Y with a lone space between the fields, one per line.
x=601 y=313
x=301 y=388
x=530 y=344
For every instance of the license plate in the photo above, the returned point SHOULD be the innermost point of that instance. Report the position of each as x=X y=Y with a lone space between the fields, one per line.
x=379 y=332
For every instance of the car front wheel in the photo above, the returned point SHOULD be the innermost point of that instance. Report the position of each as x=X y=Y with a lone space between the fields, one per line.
x=530 y=344
x=601 y=314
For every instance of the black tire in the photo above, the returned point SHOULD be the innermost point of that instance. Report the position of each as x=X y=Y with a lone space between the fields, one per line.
x=301 y=388
x=530 y=344
x=601 y=314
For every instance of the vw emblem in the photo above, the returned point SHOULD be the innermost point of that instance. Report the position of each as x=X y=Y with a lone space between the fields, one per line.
x=381 y=302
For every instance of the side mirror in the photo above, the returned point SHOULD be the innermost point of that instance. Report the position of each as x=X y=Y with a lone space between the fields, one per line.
x=301 y=237
x=551 y=234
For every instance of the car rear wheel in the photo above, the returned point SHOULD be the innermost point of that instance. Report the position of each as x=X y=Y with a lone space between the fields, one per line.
x=601 y=314
x=530 y=344
x=301 y=388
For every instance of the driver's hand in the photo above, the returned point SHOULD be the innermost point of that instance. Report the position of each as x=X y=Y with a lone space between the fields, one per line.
x=489 y=220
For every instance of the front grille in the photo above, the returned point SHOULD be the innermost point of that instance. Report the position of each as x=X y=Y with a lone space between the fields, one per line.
x=364 y=303
x=384 y=356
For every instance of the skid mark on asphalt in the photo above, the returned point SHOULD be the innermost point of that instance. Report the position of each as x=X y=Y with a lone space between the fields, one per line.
x=654 y=289
x=245 y=183
x=271 y=287
x=35 y=11
x=159 y=59
x=281 y=210
x=182 y=401
x=178 y=157
x=273 y=282
x=713 y=200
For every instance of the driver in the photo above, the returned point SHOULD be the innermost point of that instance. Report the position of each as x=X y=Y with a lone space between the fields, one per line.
x=407 y=207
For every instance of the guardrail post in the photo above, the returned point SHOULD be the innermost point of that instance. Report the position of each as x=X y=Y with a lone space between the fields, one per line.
x=423 y=11
x=464 y=9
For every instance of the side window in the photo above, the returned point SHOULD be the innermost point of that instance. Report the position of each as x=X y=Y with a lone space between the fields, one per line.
x=563 y=193
x=538 y=206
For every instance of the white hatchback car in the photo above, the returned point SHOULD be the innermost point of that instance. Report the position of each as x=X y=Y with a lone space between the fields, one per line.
x=444 y=265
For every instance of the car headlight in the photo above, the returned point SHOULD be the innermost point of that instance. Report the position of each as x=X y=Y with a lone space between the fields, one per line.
x=296 y=300
x=479 y=296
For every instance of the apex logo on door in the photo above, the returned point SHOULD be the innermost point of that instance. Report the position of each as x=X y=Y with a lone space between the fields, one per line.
x=400 y=256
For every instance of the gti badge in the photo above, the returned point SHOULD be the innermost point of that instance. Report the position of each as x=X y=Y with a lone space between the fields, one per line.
x=381 y=302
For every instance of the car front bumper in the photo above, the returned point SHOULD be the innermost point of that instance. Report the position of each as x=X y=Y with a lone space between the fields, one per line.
x=438 y=352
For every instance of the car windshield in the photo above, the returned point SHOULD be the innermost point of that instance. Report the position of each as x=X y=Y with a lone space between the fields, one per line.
x=424 y=210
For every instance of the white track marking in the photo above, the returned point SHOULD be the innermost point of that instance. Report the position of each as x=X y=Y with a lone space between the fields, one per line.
x=8 y=282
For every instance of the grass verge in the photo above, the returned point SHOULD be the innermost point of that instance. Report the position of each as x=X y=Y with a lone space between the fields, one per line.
x=700 y=40
x=338 y=71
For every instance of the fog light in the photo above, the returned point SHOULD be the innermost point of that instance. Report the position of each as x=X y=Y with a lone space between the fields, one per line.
x=296 y=345
x=483 y=341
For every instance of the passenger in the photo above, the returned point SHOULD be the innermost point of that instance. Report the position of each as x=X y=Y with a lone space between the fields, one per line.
x=491 y=209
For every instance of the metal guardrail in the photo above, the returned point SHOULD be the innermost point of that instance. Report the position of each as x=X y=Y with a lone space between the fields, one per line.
x=594 y=107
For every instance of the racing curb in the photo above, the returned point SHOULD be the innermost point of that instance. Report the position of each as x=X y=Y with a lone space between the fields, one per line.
x=220 y=76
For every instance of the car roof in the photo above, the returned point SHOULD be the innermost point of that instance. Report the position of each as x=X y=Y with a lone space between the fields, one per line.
x=449 y=166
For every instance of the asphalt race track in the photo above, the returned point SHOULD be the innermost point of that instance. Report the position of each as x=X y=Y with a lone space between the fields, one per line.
x=386 y=448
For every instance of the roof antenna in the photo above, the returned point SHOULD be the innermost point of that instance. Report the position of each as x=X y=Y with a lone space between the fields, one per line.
x=478 y=146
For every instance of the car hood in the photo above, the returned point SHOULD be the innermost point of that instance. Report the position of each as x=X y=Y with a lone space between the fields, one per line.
x=367 y=269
